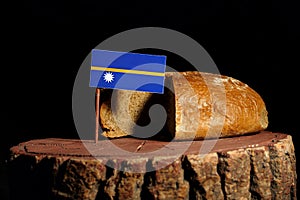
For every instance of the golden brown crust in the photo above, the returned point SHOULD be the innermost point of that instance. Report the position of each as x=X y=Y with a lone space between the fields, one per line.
x=206 y=106
x=222 y=106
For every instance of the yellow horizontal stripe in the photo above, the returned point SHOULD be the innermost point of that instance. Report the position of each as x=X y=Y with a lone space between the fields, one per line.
x=128 y=71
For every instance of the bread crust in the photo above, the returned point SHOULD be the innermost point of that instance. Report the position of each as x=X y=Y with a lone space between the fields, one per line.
x=211 y=105
x=206 y=106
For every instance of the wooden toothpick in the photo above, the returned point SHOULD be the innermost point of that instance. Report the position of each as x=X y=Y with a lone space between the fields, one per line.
x=97 y=114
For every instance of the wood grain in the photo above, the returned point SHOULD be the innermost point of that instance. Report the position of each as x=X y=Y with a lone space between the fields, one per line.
x=256 y=166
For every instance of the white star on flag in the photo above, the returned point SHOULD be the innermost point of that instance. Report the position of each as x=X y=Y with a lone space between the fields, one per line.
x=108 y=77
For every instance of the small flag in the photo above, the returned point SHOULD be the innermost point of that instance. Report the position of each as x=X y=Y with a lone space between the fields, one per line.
x=127 y=71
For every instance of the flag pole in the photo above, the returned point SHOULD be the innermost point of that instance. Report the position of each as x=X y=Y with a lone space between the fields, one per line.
x=97 y=115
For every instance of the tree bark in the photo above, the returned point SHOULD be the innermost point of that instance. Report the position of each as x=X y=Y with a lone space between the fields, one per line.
x=256 y=166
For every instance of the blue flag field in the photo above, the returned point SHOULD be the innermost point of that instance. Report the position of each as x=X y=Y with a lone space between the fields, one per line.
x=127 y=71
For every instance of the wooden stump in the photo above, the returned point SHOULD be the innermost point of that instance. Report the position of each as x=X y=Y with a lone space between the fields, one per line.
x=257 y=166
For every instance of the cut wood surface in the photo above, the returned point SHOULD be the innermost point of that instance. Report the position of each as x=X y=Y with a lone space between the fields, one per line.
x=256 y=166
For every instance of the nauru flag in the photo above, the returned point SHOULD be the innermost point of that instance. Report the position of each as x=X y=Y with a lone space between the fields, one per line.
x=127 y=71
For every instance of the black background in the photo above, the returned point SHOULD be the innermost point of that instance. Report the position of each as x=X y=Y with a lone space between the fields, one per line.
x=45 y=42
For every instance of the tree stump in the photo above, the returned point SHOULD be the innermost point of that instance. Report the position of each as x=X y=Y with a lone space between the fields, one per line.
x=256 y=166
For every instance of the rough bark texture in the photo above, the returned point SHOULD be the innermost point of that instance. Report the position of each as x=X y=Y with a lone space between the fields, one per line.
x=257 y=166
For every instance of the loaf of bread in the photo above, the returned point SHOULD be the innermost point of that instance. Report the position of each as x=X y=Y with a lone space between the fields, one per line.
x=198 y=105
